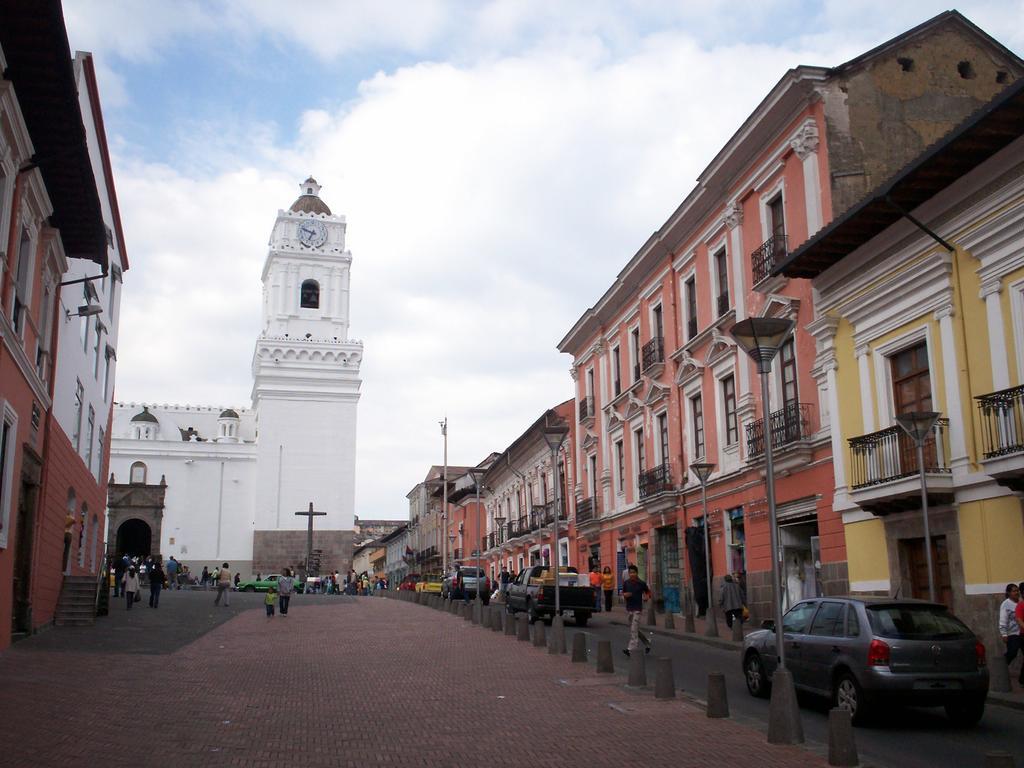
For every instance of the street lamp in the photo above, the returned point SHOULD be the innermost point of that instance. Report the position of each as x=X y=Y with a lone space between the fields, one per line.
x=477 y=473
x=761 y=338
x=554 y=434
x=918 y=425
x=444 y=504
x=703 y=471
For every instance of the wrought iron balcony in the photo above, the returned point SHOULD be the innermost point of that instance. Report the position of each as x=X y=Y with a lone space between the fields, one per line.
x=771 y=252
x=890 y=454
x=586 y=408
x=586 y=510
x=655 y=480
x=1002 y=436
x=723 y=303
x=788 y=425
x=519 y=527
x=653 y=352
x=544 y=514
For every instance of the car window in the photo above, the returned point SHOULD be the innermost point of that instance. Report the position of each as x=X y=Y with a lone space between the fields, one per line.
x=916 y=622
x=852 y=622
x=798 y=618
x=828 y=621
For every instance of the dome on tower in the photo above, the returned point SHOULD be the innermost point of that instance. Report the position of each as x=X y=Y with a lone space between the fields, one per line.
x=145 y=416
x=309 y=199
x=228 y=414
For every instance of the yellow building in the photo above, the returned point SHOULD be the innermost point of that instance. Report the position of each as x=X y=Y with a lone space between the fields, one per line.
x=920 y=307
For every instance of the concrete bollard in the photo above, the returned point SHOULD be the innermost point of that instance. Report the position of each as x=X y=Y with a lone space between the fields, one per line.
x=688 y=624
x=453 y=607
x=638 y=670
x=784 y=723
x=485 y=617
x=524 y=628
x=498 y=618
x=711 y=622
x=842 y=749
x=539 y=634
x=998 y=672
x=664 y=680
x=474 y=613
x=510 y=624
x=604 y=657
x=998 y=759
x=579 y=648
x=737 y=629
x=651 y=620
x=670 y=620
x=556 y=638
x=718 y=699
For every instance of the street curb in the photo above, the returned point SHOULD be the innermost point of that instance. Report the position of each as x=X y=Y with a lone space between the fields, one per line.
x=1002 y=700
x=727 y=645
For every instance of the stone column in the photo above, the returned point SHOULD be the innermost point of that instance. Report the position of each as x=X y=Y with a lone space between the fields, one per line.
x=990 y=292
x=805 y=144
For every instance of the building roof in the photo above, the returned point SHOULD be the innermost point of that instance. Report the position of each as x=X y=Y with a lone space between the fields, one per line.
x=39 y=64
x=978 y=138
x=310 y=201
x=228 y=413
x=145 y=416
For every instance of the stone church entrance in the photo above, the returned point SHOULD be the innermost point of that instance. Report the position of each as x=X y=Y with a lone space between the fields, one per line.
x=134 y=538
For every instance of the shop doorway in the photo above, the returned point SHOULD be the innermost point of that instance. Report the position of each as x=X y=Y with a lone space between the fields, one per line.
x=21 y=616
x=668 y=567
x=799 y=569
x=134 y=538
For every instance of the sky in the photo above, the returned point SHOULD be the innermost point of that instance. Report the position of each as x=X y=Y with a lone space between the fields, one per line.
x=497 y=162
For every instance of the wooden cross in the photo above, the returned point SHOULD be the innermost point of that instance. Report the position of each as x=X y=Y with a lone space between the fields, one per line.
x=310 y=514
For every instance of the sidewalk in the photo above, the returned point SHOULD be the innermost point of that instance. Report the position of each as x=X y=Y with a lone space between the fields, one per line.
x=367 y=681
x=617 y=617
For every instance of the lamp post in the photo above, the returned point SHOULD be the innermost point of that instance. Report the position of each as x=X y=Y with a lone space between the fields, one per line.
x=703 y=471
x=477 y=473
x=918 y=425
x=761 y=338
x=498 y=541
x=554 y=434
x=444 y=503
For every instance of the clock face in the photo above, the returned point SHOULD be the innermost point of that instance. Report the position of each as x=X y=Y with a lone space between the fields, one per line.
x=312 y=233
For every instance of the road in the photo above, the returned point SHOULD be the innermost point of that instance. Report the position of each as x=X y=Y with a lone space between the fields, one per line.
x=912 y=738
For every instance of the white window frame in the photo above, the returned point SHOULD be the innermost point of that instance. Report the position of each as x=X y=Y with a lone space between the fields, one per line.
x=592 y=474
x=690 y=391
x=656 y=418
x=10 y=421
x=719 y=246
x=615 y=362
x=563 y=552
x=726 y=453
x=636 y=432
x=651 y=311
x=882 y=354
x=619 y=444
x=685 y=293
x=776 y=189
x=634 y=354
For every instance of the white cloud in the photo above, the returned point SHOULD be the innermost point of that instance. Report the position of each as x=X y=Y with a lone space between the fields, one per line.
x=490 y=200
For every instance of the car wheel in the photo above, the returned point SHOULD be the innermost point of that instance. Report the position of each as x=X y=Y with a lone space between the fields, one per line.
x=250 y=588
x=847 y=694
x=755 y=675
x=967 y=712
x=582 y=619
x=532 y=613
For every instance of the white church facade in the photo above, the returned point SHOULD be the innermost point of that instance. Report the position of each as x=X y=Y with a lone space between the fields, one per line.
x=209 y=484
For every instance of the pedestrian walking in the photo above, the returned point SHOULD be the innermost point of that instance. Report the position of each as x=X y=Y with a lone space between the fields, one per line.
x=238 y=578
x=156 y=583
x=223 y=585
x=204 y=577
x=595 y=584
x=131 y=585
x=119 y=569
x=731 y=599
x=635 y=591
x=172 y=573
x=503 y=579
x=608 y=585
x=1009 y=630
x=285 y=586
x=269 y=600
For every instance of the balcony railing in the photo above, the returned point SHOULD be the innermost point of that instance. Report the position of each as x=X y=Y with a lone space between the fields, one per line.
x=586 y=408
x=764 y=259
x=1002 y=422
x=544 y=515
x=519 y=527
x=723 y=303
x=890 y=454
x=653 y=352
x=788 y=425
x=691 y=327
x=586 y=510
x=655 y=480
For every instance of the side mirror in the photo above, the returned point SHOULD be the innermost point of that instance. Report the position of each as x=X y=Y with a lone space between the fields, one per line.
x=768 y=624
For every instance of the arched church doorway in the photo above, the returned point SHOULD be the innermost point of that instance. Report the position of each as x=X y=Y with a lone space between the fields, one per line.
x=134 y=538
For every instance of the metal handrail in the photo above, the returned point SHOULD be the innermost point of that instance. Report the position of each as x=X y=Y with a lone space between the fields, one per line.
x=889 y=454
x=655 y=480
x=788 y=425
x=764 y=258
x=653 y=352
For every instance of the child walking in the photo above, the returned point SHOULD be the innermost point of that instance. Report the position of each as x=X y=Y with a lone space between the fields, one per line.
x=269 y=601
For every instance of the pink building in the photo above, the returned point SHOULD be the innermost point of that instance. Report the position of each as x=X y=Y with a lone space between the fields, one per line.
x=660 y=382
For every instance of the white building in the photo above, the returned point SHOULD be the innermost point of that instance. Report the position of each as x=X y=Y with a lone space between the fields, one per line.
x=230 y=472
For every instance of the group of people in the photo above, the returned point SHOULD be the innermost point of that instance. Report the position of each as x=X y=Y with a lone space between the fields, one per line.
x=1011 y=625
x=603 y=582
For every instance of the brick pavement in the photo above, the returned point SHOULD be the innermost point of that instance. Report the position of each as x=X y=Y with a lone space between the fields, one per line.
x=361 y=682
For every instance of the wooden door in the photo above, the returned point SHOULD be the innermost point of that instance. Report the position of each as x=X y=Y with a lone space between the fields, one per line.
x=912 y=391
x=917 y=569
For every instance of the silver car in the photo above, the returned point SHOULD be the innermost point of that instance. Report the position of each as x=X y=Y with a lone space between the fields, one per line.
x=867 y=652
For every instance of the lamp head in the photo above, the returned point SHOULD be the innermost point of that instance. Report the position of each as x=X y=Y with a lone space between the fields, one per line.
x=761 y=337
x=477 y=475
x=702 y=470
x=499 y=521
x=917 y=424
x=554 y=434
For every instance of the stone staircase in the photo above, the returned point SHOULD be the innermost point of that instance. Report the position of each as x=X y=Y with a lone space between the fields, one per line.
x=77 y=604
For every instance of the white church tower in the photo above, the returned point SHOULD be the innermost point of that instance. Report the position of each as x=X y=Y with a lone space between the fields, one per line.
x=306 y=372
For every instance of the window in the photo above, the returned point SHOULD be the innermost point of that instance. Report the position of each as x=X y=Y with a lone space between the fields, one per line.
x=691 y=307
x=89 y=435
x=729 y=400
x=657 y=323
x=543 y=488
x=592 y=467
x=798 y=618
x=662 y=422
x=828 y=621
x=620 y=466
x=616 y=372
x=590 y=382
x=697 y=419
x=7 y=437
x=776 y=219
x=911 y=380
x=638 y=439
x=722 y=270
x=20 y=287
x=76 y=438
x=634 y=349
x=99 y=456
x=787 y=369
x=81 y=535
x=115 y=277
x=138 y=473
x=96 y=350
x=852 y=622
x=309 y=297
